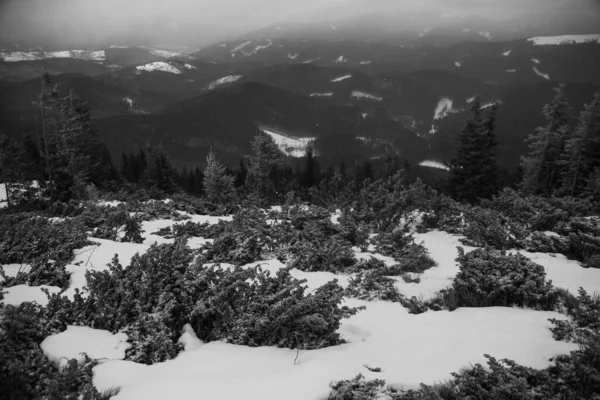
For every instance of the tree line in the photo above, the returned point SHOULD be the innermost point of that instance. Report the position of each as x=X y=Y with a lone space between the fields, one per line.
x=68 y=159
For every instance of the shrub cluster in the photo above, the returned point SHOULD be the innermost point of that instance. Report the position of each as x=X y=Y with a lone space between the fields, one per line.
x=162 y=290
x=490 y=277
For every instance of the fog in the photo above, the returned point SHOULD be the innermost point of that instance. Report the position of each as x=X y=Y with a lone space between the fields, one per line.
x=197 y=22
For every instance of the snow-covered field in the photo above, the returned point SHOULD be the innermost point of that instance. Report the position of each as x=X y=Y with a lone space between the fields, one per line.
x=540 y=73
x=290 y=146
x=564 y=39
x=158 y=66
x=408 y=348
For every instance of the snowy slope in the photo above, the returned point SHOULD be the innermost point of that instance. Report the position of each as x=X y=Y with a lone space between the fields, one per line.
x=290 y=146
x=158 y=66
x=223 y=80
x=14 y=56
x=564 y=39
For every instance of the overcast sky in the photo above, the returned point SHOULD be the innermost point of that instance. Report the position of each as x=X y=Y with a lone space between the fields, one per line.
x=112 y=19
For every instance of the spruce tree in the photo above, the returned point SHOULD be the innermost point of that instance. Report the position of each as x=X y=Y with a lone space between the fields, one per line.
x=263 y=165
x=309 y=176
x=473 y=171
x=581 y=156
x=10 y=160
x=541 y=167
x=218 y=186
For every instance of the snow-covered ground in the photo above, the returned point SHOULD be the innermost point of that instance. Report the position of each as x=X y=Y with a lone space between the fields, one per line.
x=433 y=164
x=323 y=94
x=290 y=146
x=223 y=80
x=342 y=78
x=357 y=94
x=341 y=59
x=564 y=39
x=158 y=66
x=240 y=46
x=507 y=53
x=408 y=348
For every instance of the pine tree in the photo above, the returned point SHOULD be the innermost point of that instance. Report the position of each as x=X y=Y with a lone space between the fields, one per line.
x=581 y=156
x=309 y=176
x=10 y=171
x=473 y=171
x=263 y=165
x=541 y=167
x=218 y=186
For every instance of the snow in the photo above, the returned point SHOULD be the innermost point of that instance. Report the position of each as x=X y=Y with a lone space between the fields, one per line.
x=444 y=108
x=539 y=73
x=292 y=56
x=471 y=99
x=311 y=60
x=12 y=270
x=457 y=64
x=159 y=66
x=433 y=164
x=564 y=39
x=325 y=94
x=100 y=255
x=188 y=66
x=290 y=146
x=240 y=46
x=96 y=343
x=342 y=78
x=164 y=53
x=259 y=48
x=3 y=202
x=18 y=294
x=128 y=100
x=223 y=80
x=365 y=62
x=357 y=94
x=409 y=348
x=189 y=340
x=535 y=61
x=486 y=35
x=14 y=56
x=341 y=59
x=507 y=53
x=565 y=273
x=511 y=70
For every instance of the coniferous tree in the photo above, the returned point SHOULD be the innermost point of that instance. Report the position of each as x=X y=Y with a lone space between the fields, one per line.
x=10 y=160
x=263 y=165
x=581 y=156
x=309 y=176
x=473 y=171
x=218 y=186
x=541 y=167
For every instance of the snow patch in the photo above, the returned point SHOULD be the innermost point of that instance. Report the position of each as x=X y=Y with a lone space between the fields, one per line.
x=341 y=59
x=342 y=78
x=240 y=46
x=433 y=164
x=507 y=53
x=259 y=48
x=457 y=64
x=292 y=56
x=189 y=340
x=511 y=70
x=486 y=35
x=324 y=94
x=564 y=39
x=290 y=146
x=535 y=61
x=158 y=66
x=3 y=195
x=96 y=343
x=357 y=94
x=221 y=81
x=15 y=295
x=365 y=62
x=444 y=108
x=188 y=66
x=539 y=73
